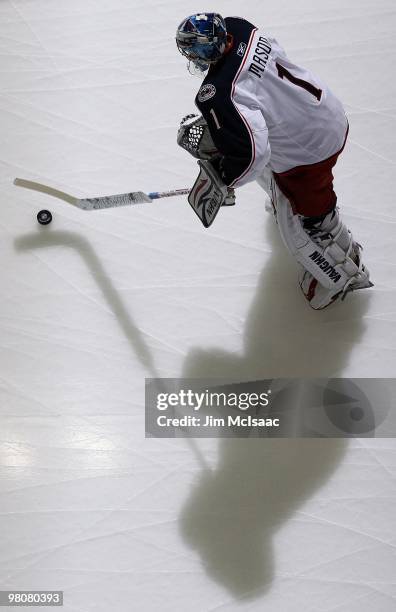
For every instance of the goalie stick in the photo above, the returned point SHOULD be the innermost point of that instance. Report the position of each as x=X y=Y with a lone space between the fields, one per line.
x=123 y=199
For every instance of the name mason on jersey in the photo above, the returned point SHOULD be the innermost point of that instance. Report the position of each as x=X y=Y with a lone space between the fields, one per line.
x=260 y=57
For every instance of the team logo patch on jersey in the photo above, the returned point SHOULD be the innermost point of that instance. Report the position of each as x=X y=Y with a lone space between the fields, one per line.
x=241 y=49
x=206 y=92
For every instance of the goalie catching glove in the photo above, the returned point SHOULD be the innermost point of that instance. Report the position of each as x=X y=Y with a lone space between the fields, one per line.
x=209 y=193
x=194 y=136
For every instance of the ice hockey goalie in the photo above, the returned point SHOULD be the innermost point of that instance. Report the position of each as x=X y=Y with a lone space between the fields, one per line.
x=263 y=117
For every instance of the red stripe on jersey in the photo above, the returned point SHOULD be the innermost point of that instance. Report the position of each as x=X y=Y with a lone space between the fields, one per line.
x=240 y=114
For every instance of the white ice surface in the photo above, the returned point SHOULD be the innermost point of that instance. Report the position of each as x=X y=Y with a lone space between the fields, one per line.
x=91 y=94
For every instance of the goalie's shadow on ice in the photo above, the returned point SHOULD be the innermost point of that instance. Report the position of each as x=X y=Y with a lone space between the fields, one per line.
x=233 y=513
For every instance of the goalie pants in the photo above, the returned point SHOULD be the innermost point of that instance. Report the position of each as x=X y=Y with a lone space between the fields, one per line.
x=309 y=188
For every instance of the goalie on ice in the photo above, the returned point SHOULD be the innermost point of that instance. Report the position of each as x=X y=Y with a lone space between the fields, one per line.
x=264 y=118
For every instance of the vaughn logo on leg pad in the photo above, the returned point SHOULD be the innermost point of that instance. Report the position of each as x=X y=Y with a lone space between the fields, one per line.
x=324 y=265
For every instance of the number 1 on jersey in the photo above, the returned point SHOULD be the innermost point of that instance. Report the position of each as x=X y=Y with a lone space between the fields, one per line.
x=283 y=73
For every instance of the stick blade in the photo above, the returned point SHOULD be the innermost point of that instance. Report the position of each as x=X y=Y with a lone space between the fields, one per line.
x=113 y=201
x=46 y=189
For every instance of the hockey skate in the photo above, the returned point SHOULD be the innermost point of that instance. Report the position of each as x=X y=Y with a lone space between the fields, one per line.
x=325 y=231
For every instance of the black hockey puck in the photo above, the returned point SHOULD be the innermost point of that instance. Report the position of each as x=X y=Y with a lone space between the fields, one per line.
x=44 y=217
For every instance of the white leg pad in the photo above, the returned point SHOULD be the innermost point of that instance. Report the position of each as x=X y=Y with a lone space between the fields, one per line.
x=310 y=255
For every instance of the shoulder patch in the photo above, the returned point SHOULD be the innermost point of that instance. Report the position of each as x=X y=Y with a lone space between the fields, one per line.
x=241 y=49
x=206 y=92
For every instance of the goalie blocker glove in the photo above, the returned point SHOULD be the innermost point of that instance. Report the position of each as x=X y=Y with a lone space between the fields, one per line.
x=205 y=197
x=209 y=193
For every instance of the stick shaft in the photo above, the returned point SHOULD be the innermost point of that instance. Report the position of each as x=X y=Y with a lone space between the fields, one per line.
x=154 y=195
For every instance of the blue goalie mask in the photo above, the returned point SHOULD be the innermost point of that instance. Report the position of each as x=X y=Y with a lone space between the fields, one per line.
x=202 y=39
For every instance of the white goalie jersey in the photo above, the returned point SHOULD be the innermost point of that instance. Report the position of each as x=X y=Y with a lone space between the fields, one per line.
x=263 y=109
